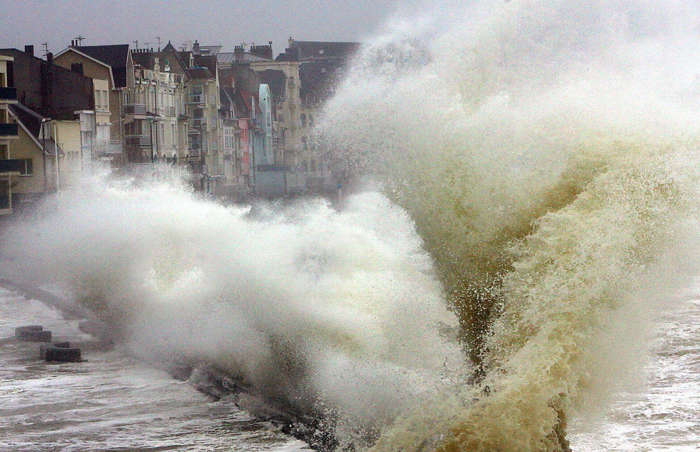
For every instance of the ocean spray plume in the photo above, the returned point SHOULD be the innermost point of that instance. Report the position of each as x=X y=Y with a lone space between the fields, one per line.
x=335 y=312
x=545 y=151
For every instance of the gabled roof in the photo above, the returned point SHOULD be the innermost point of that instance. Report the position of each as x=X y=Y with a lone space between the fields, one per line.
x=30 y=122
x=84 y=55
x=200 y=73
x=114 y=56
x=29 y=118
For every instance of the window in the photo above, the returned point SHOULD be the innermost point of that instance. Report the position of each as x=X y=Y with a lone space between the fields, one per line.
x=228 y=138
x=25 y=168
x=303 y=120
x=4 y=194
x=4 y=151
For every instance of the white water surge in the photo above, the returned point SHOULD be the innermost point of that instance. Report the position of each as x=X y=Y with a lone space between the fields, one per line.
x=338 y=313
x=539 y=165
x=547 y=151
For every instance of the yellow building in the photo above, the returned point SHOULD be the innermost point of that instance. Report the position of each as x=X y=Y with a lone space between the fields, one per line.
x=39 y=140
x=8 y=134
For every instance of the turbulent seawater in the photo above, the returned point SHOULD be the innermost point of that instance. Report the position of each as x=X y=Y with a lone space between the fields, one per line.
x=536 y=215
x=109 y=402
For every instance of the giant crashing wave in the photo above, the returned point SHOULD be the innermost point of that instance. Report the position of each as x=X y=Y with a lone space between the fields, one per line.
x=546 y=151
x=541 y=152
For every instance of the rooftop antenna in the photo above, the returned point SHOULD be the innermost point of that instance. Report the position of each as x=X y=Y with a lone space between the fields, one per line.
x=45 y=45
x=80 y=39
x=158 y=39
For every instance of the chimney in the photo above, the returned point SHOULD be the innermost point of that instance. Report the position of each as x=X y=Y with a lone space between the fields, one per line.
x=29 y=50
x=49 y=58
x=195 y=47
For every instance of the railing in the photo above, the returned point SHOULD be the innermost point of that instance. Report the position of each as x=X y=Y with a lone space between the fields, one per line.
x=12 y=166
x=8 y=94
x=138 y=140
x=8 y=130
x=114 y=147
x=170 y=111
x=135 y=109
x=196 y=99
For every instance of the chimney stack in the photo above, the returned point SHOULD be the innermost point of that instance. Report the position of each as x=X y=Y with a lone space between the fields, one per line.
x=49 y=58
x=29 y=50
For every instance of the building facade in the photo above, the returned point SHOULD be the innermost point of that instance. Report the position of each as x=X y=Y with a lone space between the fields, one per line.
x=9 y=167
x=112 y=65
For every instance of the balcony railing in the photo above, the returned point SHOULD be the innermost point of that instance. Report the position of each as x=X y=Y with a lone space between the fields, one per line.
x=8 y=95
x=135 y=109
x=12 y=166
x=196 y=123
x=114 y=147
x=8 y=130
x=138 y=140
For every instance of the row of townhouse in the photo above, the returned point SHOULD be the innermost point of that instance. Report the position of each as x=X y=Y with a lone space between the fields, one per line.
x=238 y=123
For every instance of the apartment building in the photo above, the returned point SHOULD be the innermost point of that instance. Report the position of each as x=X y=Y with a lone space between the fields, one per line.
x=106 y=64
x=154 y=108
x=9 y=168
x=202 y=104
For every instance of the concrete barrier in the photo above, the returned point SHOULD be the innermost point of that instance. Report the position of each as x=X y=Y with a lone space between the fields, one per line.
x=62 y=354
x=32 y=333
x=44 y=347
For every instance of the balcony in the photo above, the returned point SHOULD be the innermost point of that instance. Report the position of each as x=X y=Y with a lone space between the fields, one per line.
x=197 y=123
x=135 y=109
x=11 y=166
x=8 y=95
x=8 y=131
x=143 y=141
x=196 y=99
x=114 y=147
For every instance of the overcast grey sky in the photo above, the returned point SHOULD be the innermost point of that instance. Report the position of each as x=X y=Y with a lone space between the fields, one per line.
x=226 y=22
